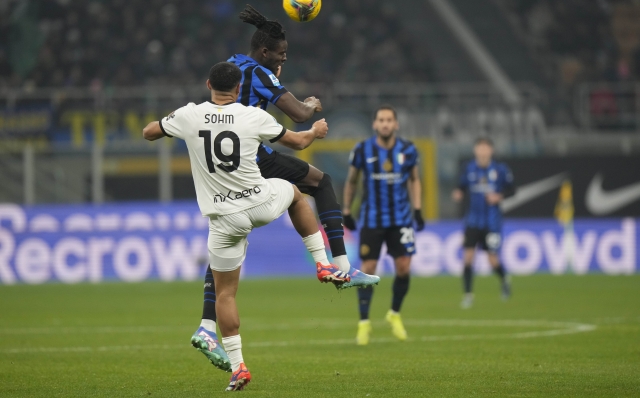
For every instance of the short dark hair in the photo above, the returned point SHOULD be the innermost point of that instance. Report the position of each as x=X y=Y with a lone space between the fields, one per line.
x=224 y=76
x=483 y=140
x=385 y=108
x=269 y=34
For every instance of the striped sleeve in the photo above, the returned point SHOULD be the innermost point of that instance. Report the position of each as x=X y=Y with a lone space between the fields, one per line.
x=266 y=85
x=413 y=157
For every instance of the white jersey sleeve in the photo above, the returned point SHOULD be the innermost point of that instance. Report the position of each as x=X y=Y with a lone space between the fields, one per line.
x=177 y=123
x=270 y=129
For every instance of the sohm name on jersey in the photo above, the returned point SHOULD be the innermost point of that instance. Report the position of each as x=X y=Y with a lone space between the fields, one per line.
x=218 y=118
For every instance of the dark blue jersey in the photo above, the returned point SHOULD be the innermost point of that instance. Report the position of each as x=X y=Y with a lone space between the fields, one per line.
x=478 y=181
x=258 y=86
x=385 y=201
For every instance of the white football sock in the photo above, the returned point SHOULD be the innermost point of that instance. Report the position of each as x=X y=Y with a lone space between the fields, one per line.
x=315 y=245
x=208 y=324
x=233 y=347
x=342 y=262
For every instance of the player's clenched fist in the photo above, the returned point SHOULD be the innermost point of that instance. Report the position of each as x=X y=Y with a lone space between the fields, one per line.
x=320 y=128
x=314 y=102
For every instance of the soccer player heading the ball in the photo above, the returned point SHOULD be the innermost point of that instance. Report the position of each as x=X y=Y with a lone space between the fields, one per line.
x=259 y=86
x=223 y=137
x=391 y=185
x=487 y=183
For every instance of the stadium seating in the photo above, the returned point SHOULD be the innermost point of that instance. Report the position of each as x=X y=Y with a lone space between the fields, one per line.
x=76 y=43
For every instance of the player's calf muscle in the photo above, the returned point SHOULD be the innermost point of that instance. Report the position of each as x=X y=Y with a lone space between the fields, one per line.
x=301 y=215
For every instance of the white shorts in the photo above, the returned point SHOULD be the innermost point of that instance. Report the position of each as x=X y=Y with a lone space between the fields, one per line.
x=228 y=233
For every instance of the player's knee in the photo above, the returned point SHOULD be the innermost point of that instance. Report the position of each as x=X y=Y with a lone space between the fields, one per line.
x=297 y=195
x=320 y=185
x=403 y=266
x=314 y=177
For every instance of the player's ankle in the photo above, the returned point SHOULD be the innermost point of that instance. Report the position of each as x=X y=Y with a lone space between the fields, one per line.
x=342 y=262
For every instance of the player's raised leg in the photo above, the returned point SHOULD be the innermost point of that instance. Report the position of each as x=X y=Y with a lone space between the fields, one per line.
x=304 y=222
x=314 y=182
x=319 y=185
x=205 y=338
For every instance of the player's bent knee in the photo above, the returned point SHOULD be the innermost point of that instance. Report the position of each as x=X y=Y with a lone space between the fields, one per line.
x=314 y=177
x=297 y=195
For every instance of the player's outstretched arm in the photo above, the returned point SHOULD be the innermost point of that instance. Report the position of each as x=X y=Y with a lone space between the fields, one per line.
x=152 y=132
x=298 y=111
x=303 y=139
x=348 y=195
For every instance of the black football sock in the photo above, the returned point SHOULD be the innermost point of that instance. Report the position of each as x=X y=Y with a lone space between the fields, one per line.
x=467 y=278
x=209 y=305
x=364 y=300
x=499 y=270
x=330 y=215
x=400 y=289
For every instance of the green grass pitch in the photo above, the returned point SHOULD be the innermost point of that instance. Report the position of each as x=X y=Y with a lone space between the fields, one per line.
x=559 y=336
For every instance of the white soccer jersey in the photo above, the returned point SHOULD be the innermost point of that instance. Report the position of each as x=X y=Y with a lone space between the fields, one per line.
x=223 y=143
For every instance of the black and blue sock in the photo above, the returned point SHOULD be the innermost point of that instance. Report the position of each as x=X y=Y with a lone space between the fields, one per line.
x=330 y=215
x=209 y=304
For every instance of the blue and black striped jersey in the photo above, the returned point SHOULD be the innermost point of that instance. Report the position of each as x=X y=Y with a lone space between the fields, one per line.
x=385 y=201
x=478 y=181
x=258 y=86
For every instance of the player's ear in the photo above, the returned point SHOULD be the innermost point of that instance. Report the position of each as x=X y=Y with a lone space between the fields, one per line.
x=209 y=85
x=238 y=89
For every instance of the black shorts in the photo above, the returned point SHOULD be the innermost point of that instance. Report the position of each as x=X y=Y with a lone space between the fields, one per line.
x=400 y=242
x=279 y=165
x=485 y=239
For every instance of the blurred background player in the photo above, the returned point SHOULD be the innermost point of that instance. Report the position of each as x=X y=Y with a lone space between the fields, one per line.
x=260 y=86
x=487 y=183
x=223 y=138
x=391 y=185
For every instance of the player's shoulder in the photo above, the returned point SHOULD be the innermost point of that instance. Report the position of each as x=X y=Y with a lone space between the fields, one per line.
x=190 y=106
x=258 y=115
x=254 y=111
x=242 y=61
x=406 y=145
x=182 y=112
x=265 y=75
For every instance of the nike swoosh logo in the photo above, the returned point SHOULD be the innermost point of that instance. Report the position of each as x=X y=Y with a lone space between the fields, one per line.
x=528 y=192
x=371 y=160
x=600 y=202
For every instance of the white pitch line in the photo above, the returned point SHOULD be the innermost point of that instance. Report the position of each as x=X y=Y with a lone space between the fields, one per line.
x=564 y=329
x=93 y=329
x=302 y=324
x=48 y=350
